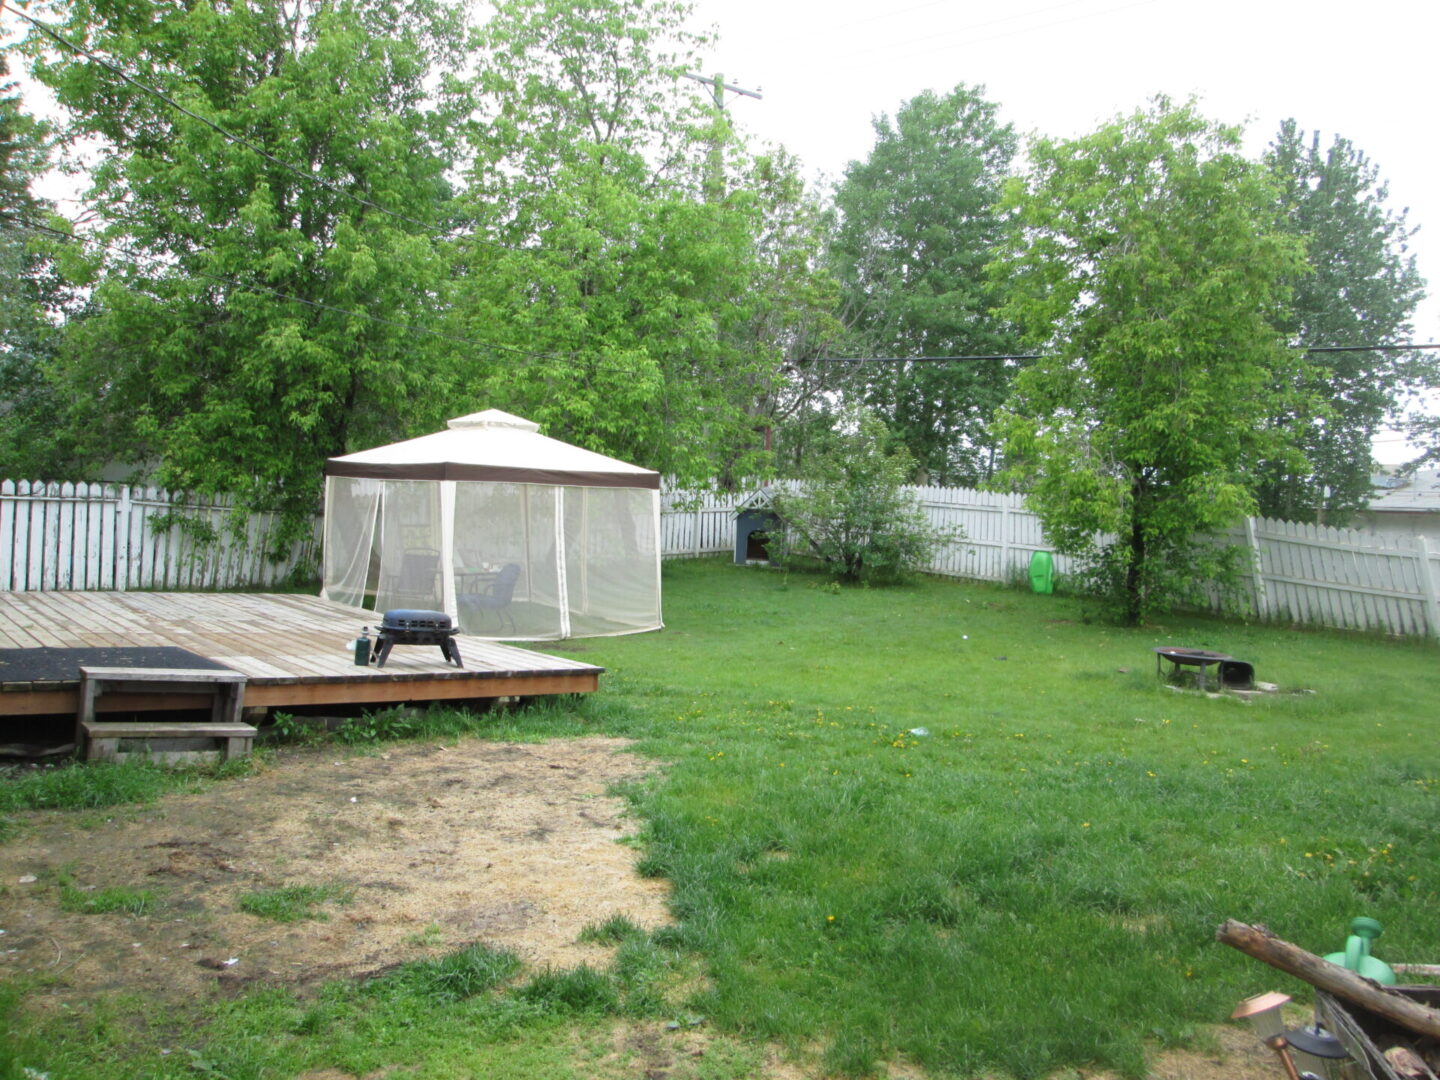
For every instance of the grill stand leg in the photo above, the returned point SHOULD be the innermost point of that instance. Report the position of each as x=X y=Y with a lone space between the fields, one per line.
x=383 y=645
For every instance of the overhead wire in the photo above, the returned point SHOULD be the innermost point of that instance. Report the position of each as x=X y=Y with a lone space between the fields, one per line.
x=892 y=14
x=530 y=355
x=930 y=38
x=1406 y=347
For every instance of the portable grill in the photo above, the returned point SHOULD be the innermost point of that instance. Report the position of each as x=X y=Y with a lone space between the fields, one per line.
x=404 y=626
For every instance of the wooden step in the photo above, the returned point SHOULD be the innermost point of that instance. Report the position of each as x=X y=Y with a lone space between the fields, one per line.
x=165 y=675
x=224 y=688
x=102 y=739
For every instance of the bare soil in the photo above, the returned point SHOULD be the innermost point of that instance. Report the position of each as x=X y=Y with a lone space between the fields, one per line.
x=439 y=845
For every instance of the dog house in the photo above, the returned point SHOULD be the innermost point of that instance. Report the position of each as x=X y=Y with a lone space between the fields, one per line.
x=755 y=521
x=512 y=534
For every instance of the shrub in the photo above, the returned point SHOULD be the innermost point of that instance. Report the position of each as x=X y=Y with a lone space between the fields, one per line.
x=852 y=511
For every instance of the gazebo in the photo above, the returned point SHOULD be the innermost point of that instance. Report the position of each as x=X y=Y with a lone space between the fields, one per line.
x=513 y=534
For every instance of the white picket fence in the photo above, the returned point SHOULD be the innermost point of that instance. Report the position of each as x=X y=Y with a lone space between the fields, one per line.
x=100 y=536
x=1323 y=576
x=1307 y=574
x=104 y=536
x=697 y=523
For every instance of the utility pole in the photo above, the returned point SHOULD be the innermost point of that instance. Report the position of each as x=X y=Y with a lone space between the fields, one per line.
x=715 y=186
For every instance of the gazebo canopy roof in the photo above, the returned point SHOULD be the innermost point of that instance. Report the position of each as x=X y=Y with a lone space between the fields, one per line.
x=492 y=446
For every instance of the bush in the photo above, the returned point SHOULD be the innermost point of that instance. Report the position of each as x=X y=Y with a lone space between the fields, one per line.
x=851 y=511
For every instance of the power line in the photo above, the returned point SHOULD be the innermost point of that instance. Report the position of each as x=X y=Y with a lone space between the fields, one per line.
x=892 y=14
x=1372 y=348
x=930 y=38
x=239 y=140
x=1040 y=356
x=493 y=347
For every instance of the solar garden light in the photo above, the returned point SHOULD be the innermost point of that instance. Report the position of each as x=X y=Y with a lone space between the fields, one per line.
x=1306 y=1053
x=1316 y=1052
x=1263 y=1012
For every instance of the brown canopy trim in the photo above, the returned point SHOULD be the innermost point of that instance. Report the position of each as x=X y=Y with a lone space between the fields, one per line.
x=495 y=474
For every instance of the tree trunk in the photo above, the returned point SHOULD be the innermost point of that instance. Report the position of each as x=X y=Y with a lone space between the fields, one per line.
x=1260 y=943
x=1136 y=565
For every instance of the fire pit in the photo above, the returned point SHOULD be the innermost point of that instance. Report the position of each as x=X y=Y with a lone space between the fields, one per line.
x=1199 y=659
x=404 y=626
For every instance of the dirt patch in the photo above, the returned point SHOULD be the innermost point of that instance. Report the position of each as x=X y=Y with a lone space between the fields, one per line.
x=440 y=846
x=437 y=845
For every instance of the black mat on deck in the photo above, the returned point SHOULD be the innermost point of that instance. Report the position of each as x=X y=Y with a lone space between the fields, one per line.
x=63 y=665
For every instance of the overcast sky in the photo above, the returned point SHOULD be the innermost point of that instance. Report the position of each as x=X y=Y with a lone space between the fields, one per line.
x=1061 y=67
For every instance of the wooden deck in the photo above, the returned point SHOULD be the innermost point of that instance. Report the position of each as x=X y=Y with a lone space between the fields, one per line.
x=294 y=650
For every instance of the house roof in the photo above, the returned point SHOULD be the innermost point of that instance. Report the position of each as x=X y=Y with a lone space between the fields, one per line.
x=1414 y=494
x=492 y=446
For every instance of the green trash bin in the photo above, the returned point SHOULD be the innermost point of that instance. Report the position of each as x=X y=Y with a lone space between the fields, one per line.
x=1042 y=572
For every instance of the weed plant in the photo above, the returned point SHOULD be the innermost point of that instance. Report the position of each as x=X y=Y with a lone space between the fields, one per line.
x=294 y=903
x=117 y=899
x=941 y=823
x=455 y=977
x=98 y=785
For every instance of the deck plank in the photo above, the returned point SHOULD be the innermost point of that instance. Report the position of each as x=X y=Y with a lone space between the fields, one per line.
x=292 y=648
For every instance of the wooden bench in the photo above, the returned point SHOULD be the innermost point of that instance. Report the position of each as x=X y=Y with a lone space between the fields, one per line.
x=226 y=689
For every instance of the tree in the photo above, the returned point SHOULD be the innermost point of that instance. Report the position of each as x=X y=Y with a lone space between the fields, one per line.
x=616 y=290
x=254 y=301
x=851 y=510
x=1361 y=288
x=792 y=304
x=917 y=226
x=1148 y=266
x=29 y=292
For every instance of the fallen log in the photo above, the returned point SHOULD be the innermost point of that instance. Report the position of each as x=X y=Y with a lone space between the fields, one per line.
x=1260 y=943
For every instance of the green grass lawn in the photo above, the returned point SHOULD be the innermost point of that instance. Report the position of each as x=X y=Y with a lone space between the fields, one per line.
x=1033 y=885
x=1036 y=882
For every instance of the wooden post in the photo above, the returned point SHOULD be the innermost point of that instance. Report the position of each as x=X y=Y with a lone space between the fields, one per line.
x=1252 y=535
x=1260 y=943
x=1427 y=587
x=123 y=512
x=1007 y=522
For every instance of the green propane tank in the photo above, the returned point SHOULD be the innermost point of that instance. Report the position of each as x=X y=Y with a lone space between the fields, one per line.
x=1357 y=956
x=361 y=646
x=1042 y=572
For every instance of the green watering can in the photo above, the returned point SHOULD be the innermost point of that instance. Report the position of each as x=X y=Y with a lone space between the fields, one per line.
x=1357 y=956
x=1042 y=572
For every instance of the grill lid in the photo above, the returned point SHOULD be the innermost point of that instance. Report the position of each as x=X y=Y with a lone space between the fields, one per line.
x=412 y=619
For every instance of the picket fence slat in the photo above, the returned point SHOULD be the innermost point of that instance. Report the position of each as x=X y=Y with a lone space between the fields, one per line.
x=1307 y=573
x=99 y=536
x=60 y=536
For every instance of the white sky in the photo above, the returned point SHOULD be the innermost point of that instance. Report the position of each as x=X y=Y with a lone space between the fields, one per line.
x=1060 y=67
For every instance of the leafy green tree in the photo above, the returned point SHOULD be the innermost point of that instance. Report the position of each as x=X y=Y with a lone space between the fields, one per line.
x=851 y=510
x=617 y=297
x=792 y=304
x=29 y=292
x=253 y=302
x=1148 y=266
x=1361 y=288
x=917 y=226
